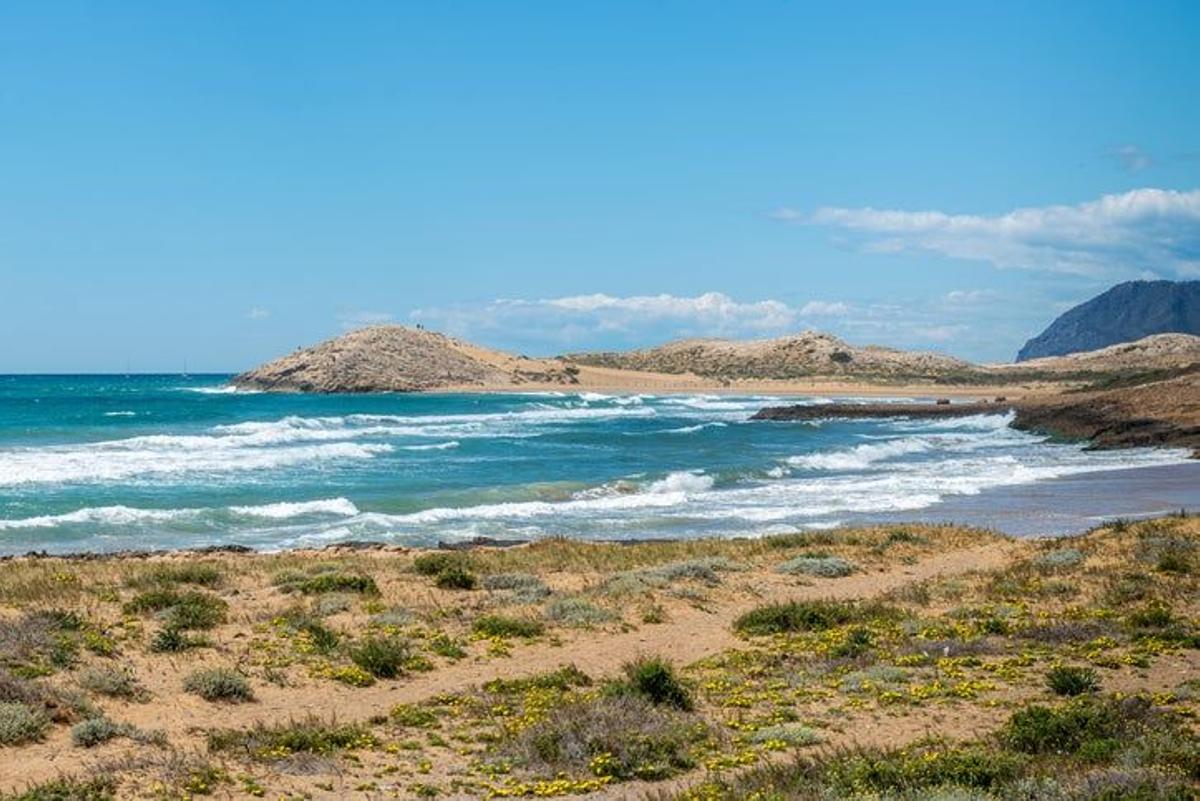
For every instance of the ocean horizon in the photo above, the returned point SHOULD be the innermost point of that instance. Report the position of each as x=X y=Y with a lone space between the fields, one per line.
x=103 y=463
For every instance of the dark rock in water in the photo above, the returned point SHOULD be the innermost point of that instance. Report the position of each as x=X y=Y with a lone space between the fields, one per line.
x=869 y=410
x=1126 y=312
x=479 y=542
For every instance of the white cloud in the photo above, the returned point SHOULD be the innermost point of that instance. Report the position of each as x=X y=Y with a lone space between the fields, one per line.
x=358 y=318
x=968 y=297
x=823 y=308
x=1115 y=236
x=1131 y=157
x=258 y=313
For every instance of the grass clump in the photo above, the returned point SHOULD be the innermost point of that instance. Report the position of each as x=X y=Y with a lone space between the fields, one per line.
x=21 y=723
x=94 y=731
x=820 y=566
x=577 y=612
x=920 y=769
x=705 y=570
x=114 y=682
x=616 y=736
x=792 y=734
x=504 y=626
x=202 y=574
x=308 y=736
x=218 y=684
x=382 y=657
x=315 y=635
x=1072 y=680
x=797 y=616
x=181 y=610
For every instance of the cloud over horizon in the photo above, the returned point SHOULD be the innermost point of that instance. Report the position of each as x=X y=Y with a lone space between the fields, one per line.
x=1142 y=231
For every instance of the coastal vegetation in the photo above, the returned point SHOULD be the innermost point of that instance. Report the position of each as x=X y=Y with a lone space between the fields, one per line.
x=933 y=662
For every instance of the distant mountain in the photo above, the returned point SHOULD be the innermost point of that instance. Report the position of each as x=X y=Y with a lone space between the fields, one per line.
x=1126 y=312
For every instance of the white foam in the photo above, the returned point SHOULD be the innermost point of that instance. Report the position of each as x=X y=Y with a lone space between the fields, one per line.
x=282 y=511
x=435 y=446
x=120 y=414
x=860 y=456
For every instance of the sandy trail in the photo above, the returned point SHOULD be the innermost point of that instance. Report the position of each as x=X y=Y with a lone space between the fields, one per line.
x=691 y=634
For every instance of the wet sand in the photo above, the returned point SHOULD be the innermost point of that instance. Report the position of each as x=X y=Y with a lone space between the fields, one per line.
x=1067 y=505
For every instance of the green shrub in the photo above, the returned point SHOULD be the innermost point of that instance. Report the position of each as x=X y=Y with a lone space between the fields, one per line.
x=793 y=616
x=323 y=639
x=382 y=657
x=1058 y=560
x=791 y=733
x=1071 y=680
x=430 y=564
x=655 y=679
x=1091 y=726
x=1152 y=616
x=21 y=723
x=455 y=577
x=326 y=581
x=172 y=640
x=181 y=610
x=218 y=684
x=563 y=679
x=820 y=566
x=887 y=772
x=413 y=716
x=502 y=626
x=67 y=789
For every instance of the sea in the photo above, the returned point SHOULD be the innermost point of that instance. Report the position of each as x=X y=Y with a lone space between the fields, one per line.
x=109 y=463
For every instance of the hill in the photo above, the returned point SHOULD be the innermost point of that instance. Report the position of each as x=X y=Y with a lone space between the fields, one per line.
x=801 y=356
x=394 y=358
x=1126 y=312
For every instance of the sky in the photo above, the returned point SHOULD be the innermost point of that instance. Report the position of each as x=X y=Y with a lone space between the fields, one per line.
x=213 y=184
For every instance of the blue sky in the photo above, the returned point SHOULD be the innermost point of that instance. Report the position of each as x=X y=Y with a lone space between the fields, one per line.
x=216 y=183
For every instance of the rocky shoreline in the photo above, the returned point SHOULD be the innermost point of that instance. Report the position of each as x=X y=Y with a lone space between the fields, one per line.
x=1101 y=419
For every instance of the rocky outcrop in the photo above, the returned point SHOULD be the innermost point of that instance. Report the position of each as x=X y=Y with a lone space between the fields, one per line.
x=1124 y=313
x=801 y=356
x=393 y=358
x=857 y=411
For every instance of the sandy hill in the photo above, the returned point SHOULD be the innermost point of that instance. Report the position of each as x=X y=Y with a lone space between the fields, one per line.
x=394 y=358
x=800 y=356
x=1156 y=352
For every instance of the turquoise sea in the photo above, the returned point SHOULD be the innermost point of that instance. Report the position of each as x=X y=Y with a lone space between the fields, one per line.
x=101 y=463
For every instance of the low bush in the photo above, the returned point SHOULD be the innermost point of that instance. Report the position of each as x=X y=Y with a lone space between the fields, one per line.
x=563 y=679
x=502 y=626
x=326 y=581
x=792 y=734
x=820 y=566
x=308 y=736
x=455 y=577
x=619 y=736
x=430 y=564
x=67 y=789
x=382 y=657
x=796 y=616
x=181 y=610
x=21 y=723
x=1058 y=560
x=114 y=682
x=94 y=731
x=525 y=587
x=1071 y=680
x=204 y=574
x=886 y=772
x=1088 y=725
x=655 y=679
x=577 y=612
x=218 y=684
x=172 y=640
